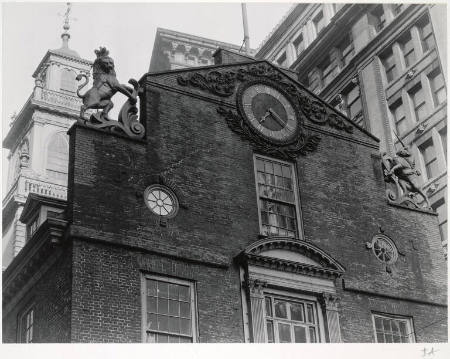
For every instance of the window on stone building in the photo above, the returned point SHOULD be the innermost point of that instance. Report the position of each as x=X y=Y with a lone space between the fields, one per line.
x=352 y=101
x=299 y=44
x=26 y=323
x=426 y=33
x=346 y=49
x=398 y=114
x=417 y=96
x=319 y=22
x=329 y=70
x=58 y=157
x=407 y=46
x=428 y=153
x=397 y=8
x=169 y=310
x=438 y=87
x=392 y=329
x=290 y=321
x=68 y=82
x=441 y=209
x=277 y=198
x=443 y=135
x=388 y=61
x=32 y=227
x=377 y=18
x=282 y=59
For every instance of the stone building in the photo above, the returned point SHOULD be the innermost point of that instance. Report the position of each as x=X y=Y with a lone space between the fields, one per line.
x=38 y=143
x=240 y=208
x=383 y=66
x=176 y=50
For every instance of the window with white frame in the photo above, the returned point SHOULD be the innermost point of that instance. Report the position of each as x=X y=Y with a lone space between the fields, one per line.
x=392 y=329
x=299 y=44
x=437 y=85
x=346 y=49
x=398 y=114
x=319 y=22
x=282 y=59
x=443 y=135
x=406 y=44
x=441 y=209
x=377 y=18
x=26 y=323
x=430 y=162
x=32 y=227
x=168 y=310
x=426 y=33
x=329 y=70
x=388 y=61
x=417 y=96
x=68 y=81
x=353 y=101
x=277 y=198
x=58 y=157
x=291 y=320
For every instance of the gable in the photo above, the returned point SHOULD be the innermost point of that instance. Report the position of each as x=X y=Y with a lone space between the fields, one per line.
x=222 y=83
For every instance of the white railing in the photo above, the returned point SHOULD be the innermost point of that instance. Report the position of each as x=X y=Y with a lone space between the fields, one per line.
x=31 y=185
x=58 y=99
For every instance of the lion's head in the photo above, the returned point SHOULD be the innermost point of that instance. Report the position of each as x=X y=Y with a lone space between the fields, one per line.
x=103 y=64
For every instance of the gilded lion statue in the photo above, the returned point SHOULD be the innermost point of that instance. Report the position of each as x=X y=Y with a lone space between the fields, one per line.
x=105 y=85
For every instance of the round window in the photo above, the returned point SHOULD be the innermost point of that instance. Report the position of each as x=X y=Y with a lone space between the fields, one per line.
x=384 y=249
x=161 y=201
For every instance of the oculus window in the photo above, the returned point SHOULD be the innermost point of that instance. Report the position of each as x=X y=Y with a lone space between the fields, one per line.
x=168 y=310
x=277 y=199
x=161 y=201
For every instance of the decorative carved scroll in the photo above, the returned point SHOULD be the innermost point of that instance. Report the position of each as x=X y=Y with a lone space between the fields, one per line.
x=302 y=145
x=105 y=86
x=127 y=122
x=400 y=172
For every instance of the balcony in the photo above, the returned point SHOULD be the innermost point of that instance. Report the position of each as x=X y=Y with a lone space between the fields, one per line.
x=26 y=184
x=54 y=98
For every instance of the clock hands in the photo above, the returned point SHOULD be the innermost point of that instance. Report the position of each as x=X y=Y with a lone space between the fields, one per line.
x=274 y=115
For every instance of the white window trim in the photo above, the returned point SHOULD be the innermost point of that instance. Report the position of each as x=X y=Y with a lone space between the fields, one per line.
x=192 y=286
x=409 y=326
x=23 y=313
x=300 y=234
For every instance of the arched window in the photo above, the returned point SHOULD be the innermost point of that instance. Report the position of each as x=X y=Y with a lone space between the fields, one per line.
x=58 y=157
x=68 y=82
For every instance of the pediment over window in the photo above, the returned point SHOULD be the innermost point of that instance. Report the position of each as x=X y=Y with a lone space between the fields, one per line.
x=290 y=255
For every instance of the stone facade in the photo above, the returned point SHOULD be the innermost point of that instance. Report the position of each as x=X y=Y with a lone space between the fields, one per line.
x=111 y=248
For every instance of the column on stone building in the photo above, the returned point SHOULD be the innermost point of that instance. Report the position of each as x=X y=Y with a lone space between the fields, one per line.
x=438 y=18
x=374 y=98
x=20 y=232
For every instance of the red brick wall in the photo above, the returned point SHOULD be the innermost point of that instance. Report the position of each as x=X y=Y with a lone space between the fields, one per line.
x=50 y=293
x=211 y=170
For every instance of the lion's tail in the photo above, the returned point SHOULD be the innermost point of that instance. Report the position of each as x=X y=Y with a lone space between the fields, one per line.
x=78 y=78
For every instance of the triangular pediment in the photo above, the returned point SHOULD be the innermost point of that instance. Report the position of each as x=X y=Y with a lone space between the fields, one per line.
x=221 y=83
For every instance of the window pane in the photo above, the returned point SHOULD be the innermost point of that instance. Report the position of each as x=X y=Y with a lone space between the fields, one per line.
x=163 y=338
x=280 y=309
x=163 y=306
x=184 y=293
x=284 y=333
x=163 y=290
x=297 y=312
x=312 y=335
x=310 y=313
x=173 y=291
x=174 y=325
x=185 y=311
x=174 y=307
x=185 y=326
x=163 y=323
x=268 y=306
x=151 y=304
x=270 y=331
x=152 y=322
x=300 y=334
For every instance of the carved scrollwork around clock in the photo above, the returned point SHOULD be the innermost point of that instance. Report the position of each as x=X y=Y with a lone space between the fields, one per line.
x=302 y=145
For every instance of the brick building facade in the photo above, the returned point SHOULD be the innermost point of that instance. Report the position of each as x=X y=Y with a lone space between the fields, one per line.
x=217 y=228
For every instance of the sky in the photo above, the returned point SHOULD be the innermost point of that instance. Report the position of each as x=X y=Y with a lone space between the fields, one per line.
x=127 y=30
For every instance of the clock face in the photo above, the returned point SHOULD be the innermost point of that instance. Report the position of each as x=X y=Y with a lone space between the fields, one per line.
x=270 y=113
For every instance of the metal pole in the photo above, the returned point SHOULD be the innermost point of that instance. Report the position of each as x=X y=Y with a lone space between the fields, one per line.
x=244 y=20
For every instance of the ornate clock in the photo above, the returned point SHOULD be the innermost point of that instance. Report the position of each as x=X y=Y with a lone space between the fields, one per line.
x=269 y=112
